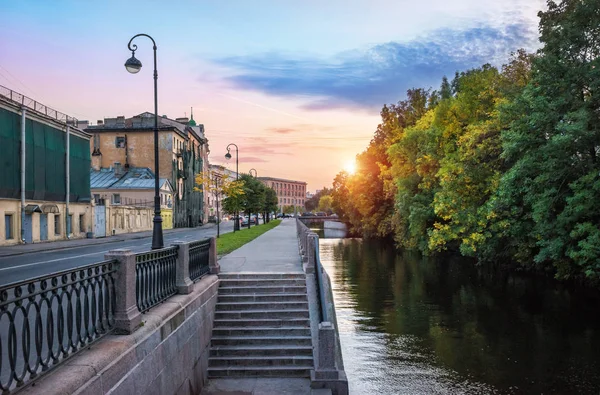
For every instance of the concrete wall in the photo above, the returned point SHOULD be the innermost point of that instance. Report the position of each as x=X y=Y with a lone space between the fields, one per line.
x=13 y=207
x=127 y=219
x=167 y=355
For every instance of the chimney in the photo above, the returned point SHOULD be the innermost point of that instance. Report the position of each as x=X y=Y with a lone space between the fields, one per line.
x=118 y=169
x=100 y=122
x=184 y=120
x=96 y=162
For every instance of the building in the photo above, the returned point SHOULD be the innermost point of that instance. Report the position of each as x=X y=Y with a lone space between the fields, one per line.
x=221 y=172
x=49 y=197
x=183 y=152
x=125 y=200
x=289 y=192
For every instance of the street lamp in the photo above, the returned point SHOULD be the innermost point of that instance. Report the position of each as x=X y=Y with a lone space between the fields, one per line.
x=133 y=65
x=255 y=173
x=236 y=224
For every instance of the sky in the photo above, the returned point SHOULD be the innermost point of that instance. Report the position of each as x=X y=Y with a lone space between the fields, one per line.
x=297 y=85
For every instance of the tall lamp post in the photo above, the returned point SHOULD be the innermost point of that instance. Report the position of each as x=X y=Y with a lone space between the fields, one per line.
x=133 y=65
x=255 y=173
x=236 y=224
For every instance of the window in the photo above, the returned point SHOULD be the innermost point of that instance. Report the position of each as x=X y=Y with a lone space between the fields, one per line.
x=116 y=198
x=8 y=227
x=120 y=142
x=57 y=224
x=70 y=224
x=81 y=223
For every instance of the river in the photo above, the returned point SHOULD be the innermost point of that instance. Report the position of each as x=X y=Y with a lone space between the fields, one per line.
x=415 y=325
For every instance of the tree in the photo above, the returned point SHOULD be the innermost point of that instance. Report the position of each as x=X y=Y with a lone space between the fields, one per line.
x=271 y=203
x=546 y=207
x=313 y=203
x=325 y=204
x=254 y=195
x=288 y=209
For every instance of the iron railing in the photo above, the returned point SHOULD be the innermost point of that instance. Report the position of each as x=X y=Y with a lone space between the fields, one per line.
x=45 y=320
x=199 y=259
x=36 y=106
x=155 y=277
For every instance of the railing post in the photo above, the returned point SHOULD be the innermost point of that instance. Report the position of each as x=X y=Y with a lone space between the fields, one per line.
x=311 y=245
x=325 y=368
x=182 y=271
x=127 y=315
x=213 y=263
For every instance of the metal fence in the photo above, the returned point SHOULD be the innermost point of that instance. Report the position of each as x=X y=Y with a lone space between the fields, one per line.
x=36 y=106
x=47 y=319
x=155 y=277
x=199 y=259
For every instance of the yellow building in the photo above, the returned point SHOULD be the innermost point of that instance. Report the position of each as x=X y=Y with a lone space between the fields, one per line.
x=182 y=150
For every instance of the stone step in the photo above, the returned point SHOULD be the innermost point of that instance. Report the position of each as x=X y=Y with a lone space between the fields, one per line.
x=260 y=361
x=239 y=282
x=265 y=306
x=269 y=289
x=244 y=350
x=260 y=314
x=259 y=275
x=283 y=297
x=261 y=340
x=270 y=371
x=265 y=322
x=261 y=332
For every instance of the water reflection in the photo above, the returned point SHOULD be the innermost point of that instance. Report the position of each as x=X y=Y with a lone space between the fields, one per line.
x=413 y=325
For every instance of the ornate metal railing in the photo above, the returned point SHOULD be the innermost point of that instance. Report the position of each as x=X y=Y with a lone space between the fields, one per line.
x=199 y=259
x=47 y=319
x=155 y=277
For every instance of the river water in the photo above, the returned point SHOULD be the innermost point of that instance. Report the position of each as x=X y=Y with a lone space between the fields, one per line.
x=414 y=325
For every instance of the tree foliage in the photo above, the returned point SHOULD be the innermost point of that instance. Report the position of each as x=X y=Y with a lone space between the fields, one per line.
x=499 y=164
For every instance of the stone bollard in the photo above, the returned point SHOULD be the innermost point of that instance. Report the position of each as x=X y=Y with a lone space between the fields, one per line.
x=325 y=368
x=182 y=270
x=311 y=244
x=213 y=263
x=127 y=315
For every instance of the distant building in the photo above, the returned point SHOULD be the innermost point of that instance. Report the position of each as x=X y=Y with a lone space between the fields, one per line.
x=289 y=192
x=309 y=195
x=56 y=196
x=183 y=153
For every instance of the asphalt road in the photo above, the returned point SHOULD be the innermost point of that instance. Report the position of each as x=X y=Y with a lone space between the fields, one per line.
x=34 y=264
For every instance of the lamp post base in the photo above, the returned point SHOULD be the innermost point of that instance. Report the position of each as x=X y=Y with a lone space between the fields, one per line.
x=157 y=233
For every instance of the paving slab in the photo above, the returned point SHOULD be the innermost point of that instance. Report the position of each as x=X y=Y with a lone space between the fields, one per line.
x=275 y=251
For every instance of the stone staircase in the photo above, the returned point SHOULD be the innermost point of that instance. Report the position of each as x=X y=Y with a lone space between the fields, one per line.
x=262 y=327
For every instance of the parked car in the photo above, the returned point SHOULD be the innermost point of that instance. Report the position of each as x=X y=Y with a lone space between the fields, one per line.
x=307 y=214
x=321 y=214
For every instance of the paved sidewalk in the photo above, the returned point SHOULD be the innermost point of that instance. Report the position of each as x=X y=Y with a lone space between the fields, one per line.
x=274 y=251
x=62 y=244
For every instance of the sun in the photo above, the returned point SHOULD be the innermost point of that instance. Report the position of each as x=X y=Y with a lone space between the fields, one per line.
x=350 y=167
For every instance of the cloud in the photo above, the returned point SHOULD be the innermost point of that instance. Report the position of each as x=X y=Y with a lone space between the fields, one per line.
x=368 y=78
x=253 y=159
x=282 y=130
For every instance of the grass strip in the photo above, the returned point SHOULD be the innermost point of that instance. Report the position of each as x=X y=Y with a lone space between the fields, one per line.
x=232 y=241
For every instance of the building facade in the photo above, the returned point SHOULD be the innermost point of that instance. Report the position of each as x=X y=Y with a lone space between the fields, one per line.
x=49 y=197
x=183 y=152
x=289 y=192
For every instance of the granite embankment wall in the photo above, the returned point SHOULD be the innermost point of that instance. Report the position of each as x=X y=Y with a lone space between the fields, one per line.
x=168 y=354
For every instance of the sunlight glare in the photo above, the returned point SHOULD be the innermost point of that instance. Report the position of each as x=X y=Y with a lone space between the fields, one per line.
x=350 y=167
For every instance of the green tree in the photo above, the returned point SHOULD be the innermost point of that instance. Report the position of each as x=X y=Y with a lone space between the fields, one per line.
x=271 y=203
x=325 y=204
x=546 y=208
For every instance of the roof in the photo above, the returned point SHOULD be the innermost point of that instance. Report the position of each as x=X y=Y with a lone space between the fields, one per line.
x=134 y=178
x=280 y=179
